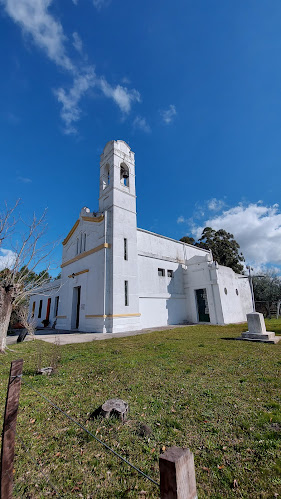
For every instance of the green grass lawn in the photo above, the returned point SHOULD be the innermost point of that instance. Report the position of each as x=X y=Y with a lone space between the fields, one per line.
x=194 y=387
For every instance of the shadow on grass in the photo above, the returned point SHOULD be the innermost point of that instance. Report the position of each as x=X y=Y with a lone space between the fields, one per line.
x=230 y=339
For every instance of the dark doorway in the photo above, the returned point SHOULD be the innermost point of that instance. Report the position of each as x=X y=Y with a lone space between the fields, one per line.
x=48 y=309
x=202 y=305
x=76 y=308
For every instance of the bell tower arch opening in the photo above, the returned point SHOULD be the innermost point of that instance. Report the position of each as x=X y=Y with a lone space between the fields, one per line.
x=124 y=174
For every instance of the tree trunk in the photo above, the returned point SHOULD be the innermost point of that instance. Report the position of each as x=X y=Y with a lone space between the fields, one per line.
x=278 y=309
x=5 y=314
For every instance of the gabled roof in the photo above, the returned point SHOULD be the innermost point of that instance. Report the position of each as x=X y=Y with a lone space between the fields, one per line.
x=85 y=219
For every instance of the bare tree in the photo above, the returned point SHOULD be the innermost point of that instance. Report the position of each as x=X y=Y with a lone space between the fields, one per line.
x=29 y=323
x=19 y=280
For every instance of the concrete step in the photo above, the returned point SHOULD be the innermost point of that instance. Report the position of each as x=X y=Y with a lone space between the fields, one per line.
x=269 y=335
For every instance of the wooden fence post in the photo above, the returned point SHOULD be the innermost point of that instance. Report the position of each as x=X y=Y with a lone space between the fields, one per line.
x=9 y=430
x=177 y=474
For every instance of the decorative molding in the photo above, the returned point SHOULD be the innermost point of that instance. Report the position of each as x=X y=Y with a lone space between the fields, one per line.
x=70 y=233
x=86 y=219
x=93 y=219
x=61 y=317
x=110 y=316
x=86 y=253
x=94 y=316
x=78 y=273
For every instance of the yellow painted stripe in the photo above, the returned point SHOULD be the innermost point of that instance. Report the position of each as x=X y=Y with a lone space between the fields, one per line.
x=93 y=219
x=78 y=273
x=86 y=253
x=115 y=315
x=70 y=232
x=61 y=317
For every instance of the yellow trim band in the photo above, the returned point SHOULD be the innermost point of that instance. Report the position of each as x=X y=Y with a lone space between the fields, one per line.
x=61 y=316
x=86 y=219
x=93 y=219
x=115 y=315
x=86 y=253
x=78 y=273
x=70 y=233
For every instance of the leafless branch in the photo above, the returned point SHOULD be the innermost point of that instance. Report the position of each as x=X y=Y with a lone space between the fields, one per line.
x=7 y=221
x=28 y=323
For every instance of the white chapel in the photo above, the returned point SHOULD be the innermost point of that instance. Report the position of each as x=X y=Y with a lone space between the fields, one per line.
x=116 y=277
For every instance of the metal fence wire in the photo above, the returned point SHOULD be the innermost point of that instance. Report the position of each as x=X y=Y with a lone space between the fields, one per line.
x=91 y=434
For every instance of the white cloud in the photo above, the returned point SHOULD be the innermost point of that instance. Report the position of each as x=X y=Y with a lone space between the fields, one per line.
x=47 y=33
x=24 y=180
x=77 y=42
x=215 y=204
x=257 y=228
x=122 y=96
x=180 y=220
x=71 y=112
x=99 y=4
x=75 y=2
x=7 y=259
x=168 y=114
x=141 y=124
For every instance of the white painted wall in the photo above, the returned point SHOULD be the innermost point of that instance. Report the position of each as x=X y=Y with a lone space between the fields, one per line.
x=51 y=290
x=153 y=300
x=235 y=306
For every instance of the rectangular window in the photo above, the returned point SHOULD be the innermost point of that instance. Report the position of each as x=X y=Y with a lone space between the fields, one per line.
x=33 y=309
x=40 y=309
x=170 y=273
x=125 y=250
x=84 y=242
x=126 y=294
x=161 y=272
x=56 y=305
x=77 y=246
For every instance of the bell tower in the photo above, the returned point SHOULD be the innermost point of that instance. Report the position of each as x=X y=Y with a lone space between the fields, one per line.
x=118 y=199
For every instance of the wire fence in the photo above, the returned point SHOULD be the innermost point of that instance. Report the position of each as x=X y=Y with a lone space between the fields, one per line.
x=38 y=466
x=84 y=429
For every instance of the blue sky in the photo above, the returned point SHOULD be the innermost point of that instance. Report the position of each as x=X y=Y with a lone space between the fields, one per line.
x=192 y=86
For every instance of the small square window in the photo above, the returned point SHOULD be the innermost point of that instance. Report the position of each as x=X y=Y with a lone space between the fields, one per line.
x=161 y=272
x=170 y=273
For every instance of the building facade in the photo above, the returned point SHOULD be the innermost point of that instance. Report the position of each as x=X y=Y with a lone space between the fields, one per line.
x=116 y=277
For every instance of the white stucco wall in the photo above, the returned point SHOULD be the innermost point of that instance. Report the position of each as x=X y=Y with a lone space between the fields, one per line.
x=153 y=300
x=237 y=301
x=51 y=290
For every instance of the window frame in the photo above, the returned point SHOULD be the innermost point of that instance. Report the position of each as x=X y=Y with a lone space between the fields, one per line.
x=161 y=272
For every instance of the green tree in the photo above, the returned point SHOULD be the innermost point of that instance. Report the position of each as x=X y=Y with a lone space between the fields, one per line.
x=188 y=240
x=225 y=249
x=267 y=287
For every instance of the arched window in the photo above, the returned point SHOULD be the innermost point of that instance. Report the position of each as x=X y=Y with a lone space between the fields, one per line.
x=124 y=174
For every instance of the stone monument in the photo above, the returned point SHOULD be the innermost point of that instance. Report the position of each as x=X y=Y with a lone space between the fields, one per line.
x=257 y=330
